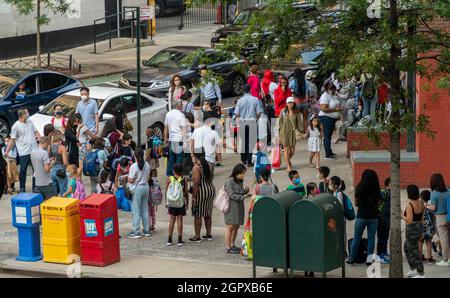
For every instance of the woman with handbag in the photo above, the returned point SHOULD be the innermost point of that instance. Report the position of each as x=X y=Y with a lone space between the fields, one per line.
x=291 y=130
x=234 y=218
x=138 y=186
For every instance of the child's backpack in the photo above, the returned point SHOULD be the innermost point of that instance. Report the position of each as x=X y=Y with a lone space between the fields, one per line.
x=368 y=88
x=156 y=195
x=428 y=224
x=80 y=192
x=175 y=195
x=262 y=162
x=91 y=164
x=107 y=190
x=349 y=211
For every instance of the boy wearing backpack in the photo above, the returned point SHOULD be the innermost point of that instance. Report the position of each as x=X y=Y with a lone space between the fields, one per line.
x=384 y=223
x=261 y=161
x=368 y=95
x=177 y=201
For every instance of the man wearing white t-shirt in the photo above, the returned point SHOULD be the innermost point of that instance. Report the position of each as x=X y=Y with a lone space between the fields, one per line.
x=23 y=135
x=209 y=139
x=174 y=130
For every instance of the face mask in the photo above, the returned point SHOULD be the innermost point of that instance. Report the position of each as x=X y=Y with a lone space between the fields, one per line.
x=84 y=97
x=59 y=113
x=331 y=187
x=296 y=181
x=68 y=174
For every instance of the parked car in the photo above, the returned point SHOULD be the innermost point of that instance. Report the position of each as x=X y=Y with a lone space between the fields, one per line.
x=185 y=61
x=41 y=87
x=164 y=6
x=153 y=110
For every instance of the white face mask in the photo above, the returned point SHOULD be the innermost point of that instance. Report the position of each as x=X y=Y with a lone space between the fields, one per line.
x=84 y=97
x=330 y=187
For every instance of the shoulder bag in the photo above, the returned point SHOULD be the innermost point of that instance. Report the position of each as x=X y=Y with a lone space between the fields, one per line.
x=298 y=134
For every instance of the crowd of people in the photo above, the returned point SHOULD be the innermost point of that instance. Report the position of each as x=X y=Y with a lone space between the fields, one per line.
x=192 y=142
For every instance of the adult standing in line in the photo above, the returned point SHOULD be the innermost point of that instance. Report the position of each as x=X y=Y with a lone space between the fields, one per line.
x=88 y=109
x=210 y=88
x=298 y=88
x=247 y=112
x=176 y=90
x=70 y=135
x=440 y=195
x=367 y=199
x=268 y=85
x=59 y=153
x=23 y=135
x=253 y=80
x=281 y=94
x=312 y=93
x=203 y=194
x=290 y=122
x=234 y=218
x=174 y=131
x=330 y=111
x=42 y=166
x=138 y=182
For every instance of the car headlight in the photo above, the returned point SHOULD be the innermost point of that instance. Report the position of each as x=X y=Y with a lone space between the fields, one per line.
x=124 y=81
x=160 y=84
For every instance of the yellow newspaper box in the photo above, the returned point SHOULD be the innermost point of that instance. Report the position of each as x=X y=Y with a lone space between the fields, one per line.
x=60 y=230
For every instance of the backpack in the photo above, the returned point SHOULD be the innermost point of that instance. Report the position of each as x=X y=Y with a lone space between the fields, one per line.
x=368 y=88
x=361 y=255
x=349 y=211
x=155 y=195
x=63 y=121
x=108 y=190
x=80 y=192
x=91 y=164
x=175 y=193
x=262 y=162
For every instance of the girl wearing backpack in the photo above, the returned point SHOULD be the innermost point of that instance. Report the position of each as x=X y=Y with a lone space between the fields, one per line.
x=177 y=213
x=337 y=187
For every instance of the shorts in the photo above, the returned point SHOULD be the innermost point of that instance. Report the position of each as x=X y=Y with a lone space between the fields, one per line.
x=47 y=191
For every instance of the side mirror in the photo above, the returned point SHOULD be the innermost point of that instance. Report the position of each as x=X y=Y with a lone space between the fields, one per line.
x=107 y=116
x=143 y=62
x=41 y=108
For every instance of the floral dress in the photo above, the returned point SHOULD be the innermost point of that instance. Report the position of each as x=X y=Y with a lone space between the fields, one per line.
x=314 y=140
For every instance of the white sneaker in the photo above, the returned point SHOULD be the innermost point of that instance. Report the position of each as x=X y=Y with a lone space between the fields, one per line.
x=419 y=276
x=442 y=263
x=412 y=273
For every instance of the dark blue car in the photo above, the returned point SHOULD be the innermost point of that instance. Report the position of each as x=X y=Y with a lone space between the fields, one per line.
x=29 y=89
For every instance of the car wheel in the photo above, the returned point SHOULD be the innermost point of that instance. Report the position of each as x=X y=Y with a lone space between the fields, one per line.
x=160 y=10
x=236 y=85
x=4 y=128
x=158 y=129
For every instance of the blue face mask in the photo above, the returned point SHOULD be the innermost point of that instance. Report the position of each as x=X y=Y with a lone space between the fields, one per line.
x=296 y=181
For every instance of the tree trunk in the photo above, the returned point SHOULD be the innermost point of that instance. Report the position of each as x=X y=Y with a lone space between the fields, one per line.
x=396 y=262
x=38 y=33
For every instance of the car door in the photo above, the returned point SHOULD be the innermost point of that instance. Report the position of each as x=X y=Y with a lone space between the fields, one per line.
x=107 y=107
x=32 y=89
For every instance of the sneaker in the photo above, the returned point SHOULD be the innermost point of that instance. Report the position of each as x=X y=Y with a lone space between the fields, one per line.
x=237 y=249
x=194 y=239
x=169 y=241
x=133 y=235
x=330 y=157
x=419 y=275
x=350 y=262
x=431 y=261
x=411 y=273
x=207 y=237
x=146 y=233
x=181 y=243
x=442 y=263
x=385 y=259
x=250 y=165
x=231 y=251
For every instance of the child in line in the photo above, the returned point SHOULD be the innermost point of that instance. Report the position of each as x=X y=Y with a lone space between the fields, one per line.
x=177 y=214
x=384 y=223
x=105 y=185
x=270 y=113
x=155 y=199
x=233 y=124
x=11 y=169
x=323 y=174
x=296 y=185
x=59 y=121
x=413 y=217
x=75 y=189
x=315 y=134
x=126 y=149
x=312 y=190
x=336 y=187
x=428 y=228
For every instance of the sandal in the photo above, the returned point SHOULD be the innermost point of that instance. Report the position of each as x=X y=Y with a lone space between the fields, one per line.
x=231 y=251
x=312 y=166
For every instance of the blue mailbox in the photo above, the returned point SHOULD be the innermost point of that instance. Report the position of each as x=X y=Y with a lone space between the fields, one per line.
x=26 y=217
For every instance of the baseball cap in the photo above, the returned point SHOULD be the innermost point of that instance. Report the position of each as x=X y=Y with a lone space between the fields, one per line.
x=290 y=99
x=310 y=74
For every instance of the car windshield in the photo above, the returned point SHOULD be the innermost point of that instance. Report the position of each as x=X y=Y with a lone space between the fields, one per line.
x=170 y=59
x=245 y=16
x=6 y=83
x=68 y=103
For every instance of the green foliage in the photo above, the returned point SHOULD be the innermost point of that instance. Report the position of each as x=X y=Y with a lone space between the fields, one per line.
x=25 y=7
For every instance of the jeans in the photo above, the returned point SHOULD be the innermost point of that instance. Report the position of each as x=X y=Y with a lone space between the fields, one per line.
x=60 y=184
x=24 y=161
x=328 y=128
x=248 y=133
x=94 y=181
x=360 y=226
x=175 y=156
x=384 y=226
x=139 y=208
x=369 y=106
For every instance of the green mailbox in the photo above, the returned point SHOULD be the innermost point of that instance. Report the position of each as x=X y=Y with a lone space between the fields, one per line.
x=316 y=235
x=270 y=231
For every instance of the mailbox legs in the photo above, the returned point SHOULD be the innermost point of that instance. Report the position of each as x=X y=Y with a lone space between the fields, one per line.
x=275 y=270
x=254 y=270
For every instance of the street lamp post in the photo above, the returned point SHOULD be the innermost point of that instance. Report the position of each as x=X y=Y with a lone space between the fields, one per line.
x=138 y=67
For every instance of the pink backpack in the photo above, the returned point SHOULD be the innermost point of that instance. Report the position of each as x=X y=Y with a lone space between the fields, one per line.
x=80 y=192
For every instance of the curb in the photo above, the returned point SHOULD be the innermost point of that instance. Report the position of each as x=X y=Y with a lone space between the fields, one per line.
x=102 y=73
x=132 y=45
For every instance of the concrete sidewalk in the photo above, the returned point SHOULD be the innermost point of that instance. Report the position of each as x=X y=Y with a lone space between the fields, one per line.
x=119 y=61
x=150 y=257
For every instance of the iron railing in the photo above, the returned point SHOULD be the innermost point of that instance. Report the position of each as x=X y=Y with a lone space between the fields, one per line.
x=50 y=60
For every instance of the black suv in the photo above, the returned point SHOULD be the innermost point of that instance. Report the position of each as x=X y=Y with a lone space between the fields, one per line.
x=165 y=6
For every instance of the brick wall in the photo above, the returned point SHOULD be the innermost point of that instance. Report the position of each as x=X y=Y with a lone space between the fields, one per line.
x=408 y=173
x=358 y=141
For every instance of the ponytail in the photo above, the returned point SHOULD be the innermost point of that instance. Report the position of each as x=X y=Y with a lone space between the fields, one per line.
x=338 y=182
x=139 y=155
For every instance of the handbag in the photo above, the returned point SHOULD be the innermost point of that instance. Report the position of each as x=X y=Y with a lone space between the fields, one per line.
x=130 y=188
x=298 y=134
x=127 y=125
x=61 y=173
x=222 y=201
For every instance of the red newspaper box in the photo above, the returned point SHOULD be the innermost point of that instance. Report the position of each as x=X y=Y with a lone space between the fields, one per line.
x=99 y=230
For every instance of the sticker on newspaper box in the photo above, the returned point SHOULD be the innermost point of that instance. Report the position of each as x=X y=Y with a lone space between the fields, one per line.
x=90 y=228
x=109 y=226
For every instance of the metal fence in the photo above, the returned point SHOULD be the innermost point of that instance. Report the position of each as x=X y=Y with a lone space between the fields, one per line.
x=60 y=62
x=191 y=16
